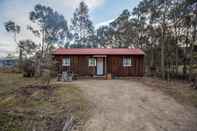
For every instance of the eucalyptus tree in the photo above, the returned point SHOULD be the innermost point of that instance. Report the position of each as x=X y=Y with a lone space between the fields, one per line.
x=162 y=8
x=182 y=17
x=143 y=21
x=15 y=29
x=167 y=26
x=81 y=28
x=120 y=27
x=102 y=33
x=51 y=29
x=194 y=33
x=139 y=21
x=187 y=22
x=155 y=12
x=175 y=16
x=153 y=33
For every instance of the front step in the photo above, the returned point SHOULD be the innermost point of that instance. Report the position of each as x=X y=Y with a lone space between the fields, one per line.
x=99 y=77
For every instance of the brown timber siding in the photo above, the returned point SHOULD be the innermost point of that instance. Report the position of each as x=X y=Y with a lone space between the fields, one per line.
x=79 y=65
x=115 y=66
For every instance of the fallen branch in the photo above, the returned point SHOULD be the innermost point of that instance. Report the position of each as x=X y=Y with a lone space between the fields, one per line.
x=68 y=124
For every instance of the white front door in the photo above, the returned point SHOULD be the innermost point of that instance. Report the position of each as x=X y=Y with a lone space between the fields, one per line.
x=99 y=66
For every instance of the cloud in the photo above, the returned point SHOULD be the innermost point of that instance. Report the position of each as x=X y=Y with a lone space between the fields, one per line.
x=91 y=3
x=105 y=23
x=5 y=51
x=6 y=45
x=71 y=3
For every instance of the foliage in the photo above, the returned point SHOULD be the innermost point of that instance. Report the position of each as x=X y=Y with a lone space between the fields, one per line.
x=81 y=29
x=53 y=26
x=104 y=36
x=10 y=26
x=28 y=47
x=120 y=27
x=28 y=68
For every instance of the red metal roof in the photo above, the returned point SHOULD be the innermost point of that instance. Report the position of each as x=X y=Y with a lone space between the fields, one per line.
x=98 y=51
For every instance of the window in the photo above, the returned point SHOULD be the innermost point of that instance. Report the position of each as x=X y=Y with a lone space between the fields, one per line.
x=66 y=61
x=127 y=61
x=92 y=62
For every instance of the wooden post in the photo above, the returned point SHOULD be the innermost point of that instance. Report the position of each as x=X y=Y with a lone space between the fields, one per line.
x=106 y=67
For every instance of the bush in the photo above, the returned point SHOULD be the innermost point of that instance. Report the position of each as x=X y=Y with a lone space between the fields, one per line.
x=28 y=68
x=49 y=70
x=46 y=77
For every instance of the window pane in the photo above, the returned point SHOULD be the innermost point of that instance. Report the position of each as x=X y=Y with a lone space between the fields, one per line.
x=127 y=62
x=66 y=62
x=92 y=62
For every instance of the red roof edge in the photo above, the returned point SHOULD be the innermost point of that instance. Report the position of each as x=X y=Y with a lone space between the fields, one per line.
x=98 y=51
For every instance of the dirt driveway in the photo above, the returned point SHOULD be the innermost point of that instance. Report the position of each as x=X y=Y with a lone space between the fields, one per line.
x=123 y=105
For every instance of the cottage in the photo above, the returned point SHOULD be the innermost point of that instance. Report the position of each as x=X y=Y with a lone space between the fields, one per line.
x=101 y=61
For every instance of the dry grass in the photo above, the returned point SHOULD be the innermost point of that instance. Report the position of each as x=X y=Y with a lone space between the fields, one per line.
x=181 y=91
x=26 y=107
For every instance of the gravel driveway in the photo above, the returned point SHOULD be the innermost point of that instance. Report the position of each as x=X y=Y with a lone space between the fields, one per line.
x=125 y=105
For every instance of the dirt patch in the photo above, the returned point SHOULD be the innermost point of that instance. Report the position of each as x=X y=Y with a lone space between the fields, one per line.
x=36 y=92
x=130 y=105
x=28 y=90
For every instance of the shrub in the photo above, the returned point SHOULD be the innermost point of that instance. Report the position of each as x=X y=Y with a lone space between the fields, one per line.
x=28 y=68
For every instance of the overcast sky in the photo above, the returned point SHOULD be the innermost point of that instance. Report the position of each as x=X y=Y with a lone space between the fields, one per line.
x=101 y=12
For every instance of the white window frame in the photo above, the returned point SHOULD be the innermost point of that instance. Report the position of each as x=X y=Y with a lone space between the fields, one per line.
x=64 y=63
x=90 y=64
x=127 y=61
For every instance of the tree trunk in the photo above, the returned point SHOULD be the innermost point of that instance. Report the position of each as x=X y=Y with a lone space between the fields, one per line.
x=162 y=56
x=163 y=42
x=152 y=56
x=177 y=60
x=177 y=52
x=191 y=53
x=20 y=58
x=41 y=56
x=43 y=40
x=185 y=55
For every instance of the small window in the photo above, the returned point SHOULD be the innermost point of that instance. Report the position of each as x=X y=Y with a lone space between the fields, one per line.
x=127 y=61
x=66 y=61
x=92 y=62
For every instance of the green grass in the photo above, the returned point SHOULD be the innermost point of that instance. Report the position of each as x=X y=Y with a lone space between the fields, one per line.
x=23 y=108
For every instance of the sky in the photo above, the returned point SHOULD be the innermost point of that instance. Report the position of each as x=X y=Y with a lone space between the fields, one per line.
x=101 y=12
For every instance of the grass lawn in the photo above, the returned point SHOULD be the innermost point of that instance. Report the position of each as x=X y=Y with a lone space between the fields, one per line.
x=24 y=106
